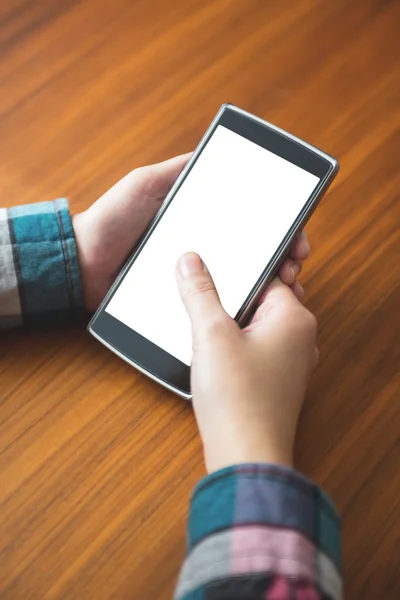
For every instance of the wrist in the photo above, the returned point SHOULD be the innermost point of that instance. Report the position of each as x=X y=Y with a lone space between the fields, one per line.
x=220 y=455
x=79 y=232
x=243 y=440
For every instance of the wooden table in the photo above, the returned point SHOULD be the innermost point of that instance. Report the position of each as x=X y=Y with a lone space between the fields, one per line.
x=96 y=462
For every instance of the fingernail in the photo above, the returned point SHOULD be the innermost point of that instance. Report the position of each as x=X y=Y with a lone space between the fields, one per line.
x=295 y=270
x=190 y=264
x=300 y=290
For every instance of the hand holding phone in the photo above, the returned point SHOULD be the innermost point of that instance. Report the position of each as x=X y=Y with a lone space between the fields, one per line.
x=244 y=195
x=107 y=231
x=248 y=384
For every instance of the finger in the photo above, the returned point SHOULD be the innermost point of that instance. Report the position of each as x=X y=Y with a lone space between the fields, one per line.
x=297 y=290
x=289 y=270
x=199 y=295
x=277 y=295
x=301 y=248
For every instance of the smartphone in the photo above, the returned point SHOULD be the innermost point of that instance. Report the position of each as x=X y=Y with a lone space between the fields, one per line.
x=245 y=194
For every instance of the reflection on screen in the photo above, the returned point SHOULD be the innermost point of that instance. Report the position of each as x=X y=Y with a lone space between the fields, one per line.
x=234 y=209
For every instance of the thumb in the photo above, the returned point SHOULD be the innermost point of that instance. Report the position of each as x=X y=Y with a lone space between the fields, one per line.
x=198 y=294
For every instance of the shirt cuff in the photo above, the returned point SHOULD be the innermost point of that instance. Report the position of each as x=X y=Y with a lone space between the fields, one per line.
x=263 y=526
x=39 y=268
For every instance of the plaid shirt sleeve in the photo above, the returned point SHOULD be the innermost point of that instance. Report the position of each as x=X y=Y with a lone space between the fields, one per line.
x=39 y=269
x=261 y=532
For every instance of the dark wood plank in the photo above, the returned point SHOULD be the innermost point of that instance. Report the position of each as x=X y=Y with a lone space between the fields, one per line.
x=97 y=463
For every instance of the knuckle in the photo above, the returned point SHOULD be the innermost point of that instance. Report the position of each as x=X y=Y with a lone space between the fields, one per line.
x=200 y=286
x=215 y=326
x=309 y=324
x=143 y=179
x=136 y=175
x=302 y=323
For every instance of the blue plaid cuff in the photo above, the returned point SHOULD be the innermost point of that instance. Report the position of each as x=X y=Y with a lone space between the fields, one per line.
x=263 y=532
x=39 y=269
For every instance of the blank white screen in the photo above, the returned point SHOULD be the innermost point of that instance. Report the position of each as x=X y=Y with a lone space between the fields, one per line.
x=234 y=209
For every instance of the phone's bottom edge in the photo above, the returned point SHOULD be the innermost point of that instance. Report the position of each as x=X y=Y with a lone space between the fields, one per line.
x=139 y=367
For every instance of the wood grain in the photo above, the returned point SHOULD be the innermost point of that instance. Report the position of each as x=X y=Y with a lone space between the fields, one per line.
x=96 y=462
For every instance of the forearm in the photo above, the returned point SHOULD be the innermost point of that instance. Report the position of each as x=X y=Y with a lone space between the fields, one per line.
x=39 y=270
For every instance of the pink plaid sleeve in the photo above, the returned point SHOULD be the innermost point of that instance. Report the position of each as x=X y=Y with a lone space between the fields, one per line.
x=261 y=532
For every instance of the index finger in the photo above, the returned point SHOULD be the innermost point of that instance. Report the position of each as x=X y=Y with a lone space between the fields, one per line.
x=300 y=249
